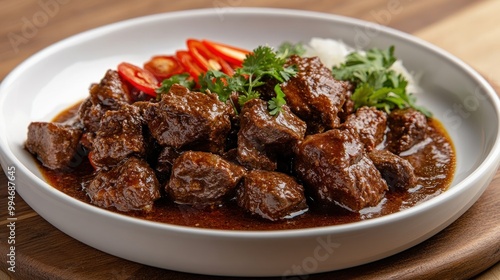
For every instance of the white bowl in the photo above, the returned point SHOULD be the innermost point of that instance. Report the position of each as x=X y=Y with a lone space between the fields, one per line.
x=59 y=76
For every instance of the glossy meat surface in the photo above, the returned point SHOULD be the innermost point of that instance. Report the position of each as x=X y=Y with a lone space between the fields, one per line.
x=119 y=136
x=54 y=144
x=109 y=94
x=262 y=136
x=202 y=179
x=337 y=170
x=407 y=127
x=131 y=185
x=109 y=90
x=370 y=124
x=314 y=95
x=189 y=120
x=396 y=171
x=271 y=195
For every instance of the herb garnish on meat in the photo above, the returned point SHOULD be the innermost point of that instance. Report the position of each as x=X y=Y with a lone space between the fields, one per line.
x=259 y=65
x=377 y=84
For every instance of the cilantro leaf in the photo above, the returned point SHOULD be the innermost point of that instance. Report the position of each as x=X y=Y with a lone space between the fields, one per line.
x=215 y=81
x=376 y=84
x=244 y=98
x=182 y=79
x=276 y=102
x=265 y=62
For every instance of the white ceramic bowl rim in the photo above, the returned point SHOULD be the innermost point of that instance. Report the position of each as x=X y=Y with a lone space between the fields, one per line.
x=404 y=214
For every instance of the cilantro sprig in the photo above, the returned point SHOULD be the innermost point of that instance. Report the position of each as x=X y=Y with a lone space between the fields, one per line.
x=263 y=63
x=377 y=84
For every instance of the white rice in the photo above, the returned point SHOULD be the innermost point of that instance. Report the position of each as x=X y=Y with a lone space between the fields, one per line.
x=333 y=52
x=330 y=52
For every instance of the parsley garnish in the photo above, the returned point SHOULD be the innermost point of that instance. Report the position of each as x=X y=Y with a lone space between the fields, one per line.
x=182 y=79
x=217 y=82
x=261 y=64
x=376 y=84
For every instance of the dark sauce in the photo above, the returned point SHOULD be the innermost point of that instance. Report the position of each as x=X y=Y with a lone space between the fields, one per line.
x=433 y=160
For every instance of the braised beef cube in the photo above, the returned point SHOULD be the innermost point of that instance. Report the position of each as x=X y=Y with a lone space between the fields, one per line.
x=129 y=186
x=370 y=124
x=314 y=95
x=348 y=108
x=179 y=90
x=262 y=135
x=396 y=171
x=407 y=128
x=165 y=161
x=258 y=124
x=90 y=115
x=271 y=195
x=119 y=136
x=54 y=144
x=202 y=179
x=335 y=168
x=109 y=90
x=184 y=119
x=254 y=156
x=109 y=94
x=142 y=106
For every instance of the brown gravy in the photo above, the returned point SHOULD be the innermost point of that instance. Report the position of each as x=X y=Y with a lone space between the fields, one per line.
x=433 y=160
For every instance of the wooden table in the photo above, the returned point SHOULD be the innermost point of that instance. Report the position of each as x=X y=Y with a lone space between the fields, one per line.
x=468 y=29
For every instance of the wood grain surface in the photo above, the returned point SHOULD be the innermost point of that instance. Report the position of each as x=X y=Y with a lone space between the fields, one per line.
x=468 y=248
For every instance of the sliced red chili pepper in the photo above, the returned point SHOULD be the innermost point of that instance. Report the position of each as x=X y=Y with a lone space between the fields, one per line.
x=141 y=79
x=228 y=53
x=206 y=59
x=189 y=64
x=163 y=66
x=225 y=67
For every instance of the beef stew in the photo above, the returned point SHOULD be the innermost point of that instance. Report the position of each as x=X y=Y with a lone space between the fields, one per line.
x=189 y=159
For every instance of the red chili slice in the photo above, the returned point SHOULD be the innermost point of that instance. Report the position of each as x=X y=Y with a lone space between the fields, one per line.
x=163 y=66
x=189 y=64
x=141 y=79
x=206 y=59
x=228 y=53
